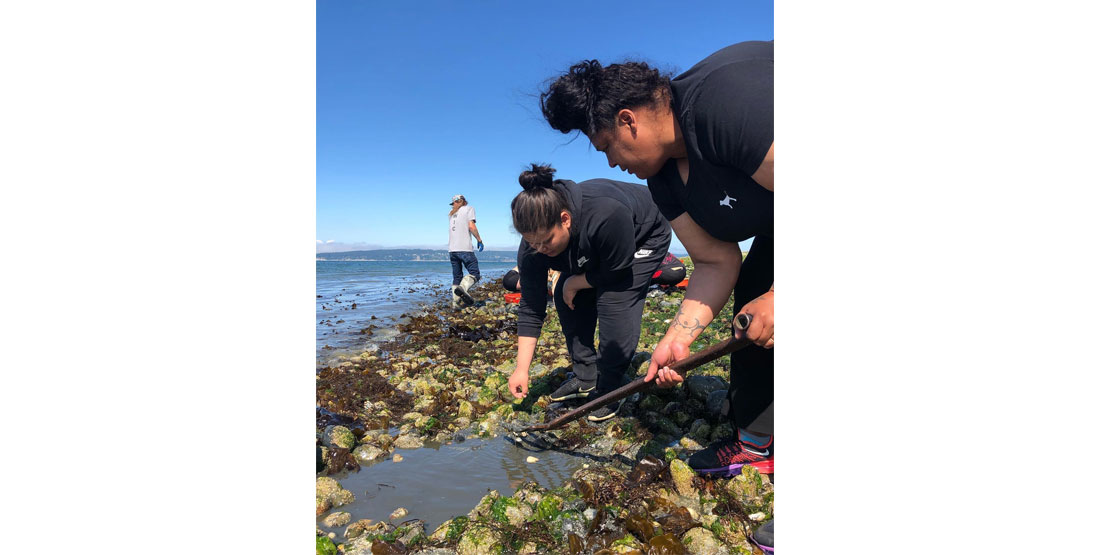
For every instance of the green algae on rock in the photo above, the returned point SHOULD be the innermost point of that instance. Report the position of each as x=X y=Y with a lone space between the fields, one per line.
x=331 y=494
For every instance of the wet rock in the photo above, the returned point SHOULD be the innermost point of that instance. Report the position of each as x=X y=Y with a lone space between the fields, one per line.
x=700 y=387
x=399 y=513
x=359 y=546
x=408 y=441
x=752 y=490
x=479 y=539
x=530 y=493
x=338 y=436
x=569 y=522
x=537 y=371
x=647 y=470
x=465 y=409
x=412 y=416
x=700 y=430
x=672 y=408
x=384 y=442
x=337 y=519
x=440 y=533
x=397 y=458
x=506 y=412
x=721 y=431
x=640 y=359
x=690 y=444
x=518 y=514
x=331 y=494
x=682 y=475
x=484 y=506
x=601 y=477
x=491 y=424
x=424 y=403
x=356 y=529
x=414 y=531
x=662 y=425
x=681 y=418
x=700 y=541
x=366 y=453
x=717 y=404
x=495 y=380
x=487 y=397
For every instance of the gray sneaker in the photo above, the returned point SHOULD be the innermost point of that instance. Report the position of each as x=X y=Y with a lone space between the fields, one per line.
x=571 y=389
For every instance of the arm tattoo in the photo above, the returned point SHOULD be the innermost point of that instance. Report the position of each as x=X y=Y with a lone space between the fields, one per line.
x=681 y=321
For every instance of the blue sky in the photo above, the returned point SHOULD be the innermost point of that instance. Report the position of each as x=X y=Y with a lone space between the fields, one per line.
x=418 y=101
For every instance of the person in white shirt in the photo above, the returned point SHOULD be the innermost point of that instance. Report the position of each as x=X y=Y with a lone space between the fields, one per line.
x=462 y=225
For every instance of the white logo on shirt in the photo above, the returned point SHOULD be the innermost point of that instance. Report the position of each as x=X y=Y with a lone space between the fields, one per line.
x=582 y=260
x=726 y=201
x=642 y=253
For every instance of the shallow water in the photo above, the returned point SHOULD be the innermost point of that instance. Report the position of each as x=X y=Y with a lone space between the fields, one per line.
x=439 y=482
x=384 y=290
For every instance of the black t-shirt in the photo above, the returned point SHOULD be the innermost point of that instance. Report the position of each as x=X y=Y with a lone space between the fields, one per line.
x=724 y=106
x=611 y=220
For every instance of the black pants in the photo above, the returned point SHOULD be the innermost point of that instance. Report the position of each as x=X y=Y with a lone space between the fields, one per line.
x=619 y=311
x=752 y=368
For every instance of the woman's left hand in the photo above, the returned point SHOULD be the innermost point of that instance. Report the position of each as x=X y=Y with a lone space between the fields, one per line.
x=570 y=287
x=762 y=329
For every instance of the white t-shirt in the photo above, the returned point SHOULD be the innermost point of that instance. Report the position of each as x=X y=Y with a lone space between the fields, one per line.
x=460 y=230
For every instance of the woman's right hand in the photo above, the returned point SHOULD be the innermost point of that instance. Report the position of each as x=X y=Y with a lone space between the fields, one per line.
x=666 y=353
x=517 y=383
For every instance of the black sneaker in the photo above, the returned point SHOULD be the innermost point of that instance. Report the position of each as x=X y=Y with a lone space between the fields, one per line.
x=764 y=536
x=607 y=411
x=571 y=389
x=724 y=458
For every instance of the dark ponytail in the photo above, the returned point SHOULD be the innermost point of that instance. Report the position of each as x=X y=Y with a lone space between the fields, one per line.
x=589 y=96
x=539 y=206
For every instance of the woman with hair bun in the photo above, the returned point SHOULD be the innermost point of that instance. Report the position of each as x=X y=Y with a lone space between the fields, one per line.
x=704 y=141
x=606 y=238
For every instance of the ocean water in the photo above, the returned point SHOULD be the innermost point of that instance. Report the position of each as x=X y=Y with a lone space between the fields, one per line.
x=354 y=295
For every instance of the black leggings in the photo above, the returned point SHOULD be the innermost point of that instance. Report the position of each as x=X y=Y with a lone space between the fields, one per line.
x=619 y=310
x=752 y=368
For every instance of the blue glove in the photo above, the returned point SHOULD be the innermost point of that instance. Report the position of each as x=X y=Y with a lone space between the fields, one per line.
x=480 y=246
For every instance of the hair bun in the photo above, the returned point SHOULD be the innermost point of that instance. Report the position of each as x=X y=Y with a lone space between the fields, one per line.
x=536 y=177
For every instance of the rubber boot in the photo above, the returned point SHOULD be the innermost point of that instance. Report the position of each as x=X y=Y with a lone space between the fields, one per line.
x=456 y=301
x=463 y=289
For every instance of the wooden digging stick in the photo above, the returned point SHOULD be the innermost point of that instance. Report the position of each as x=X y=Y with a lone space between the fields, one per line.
x=682 y=366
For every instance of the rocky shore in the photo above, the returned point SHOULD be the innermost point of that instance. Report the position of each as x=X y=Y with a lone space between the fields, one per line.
x=444 y=379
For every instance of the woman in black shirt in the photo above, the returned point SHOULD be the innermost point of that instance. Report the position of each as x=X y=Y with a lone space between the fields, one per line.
x=704 y=141
x=606 y=238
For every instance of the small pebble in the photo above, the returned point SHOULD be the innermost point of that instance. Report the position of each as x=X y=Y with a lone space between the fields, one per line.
x=585 y=465
x=332 y=535
x=398 y=458
x=532 y=460
x=757 y=517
